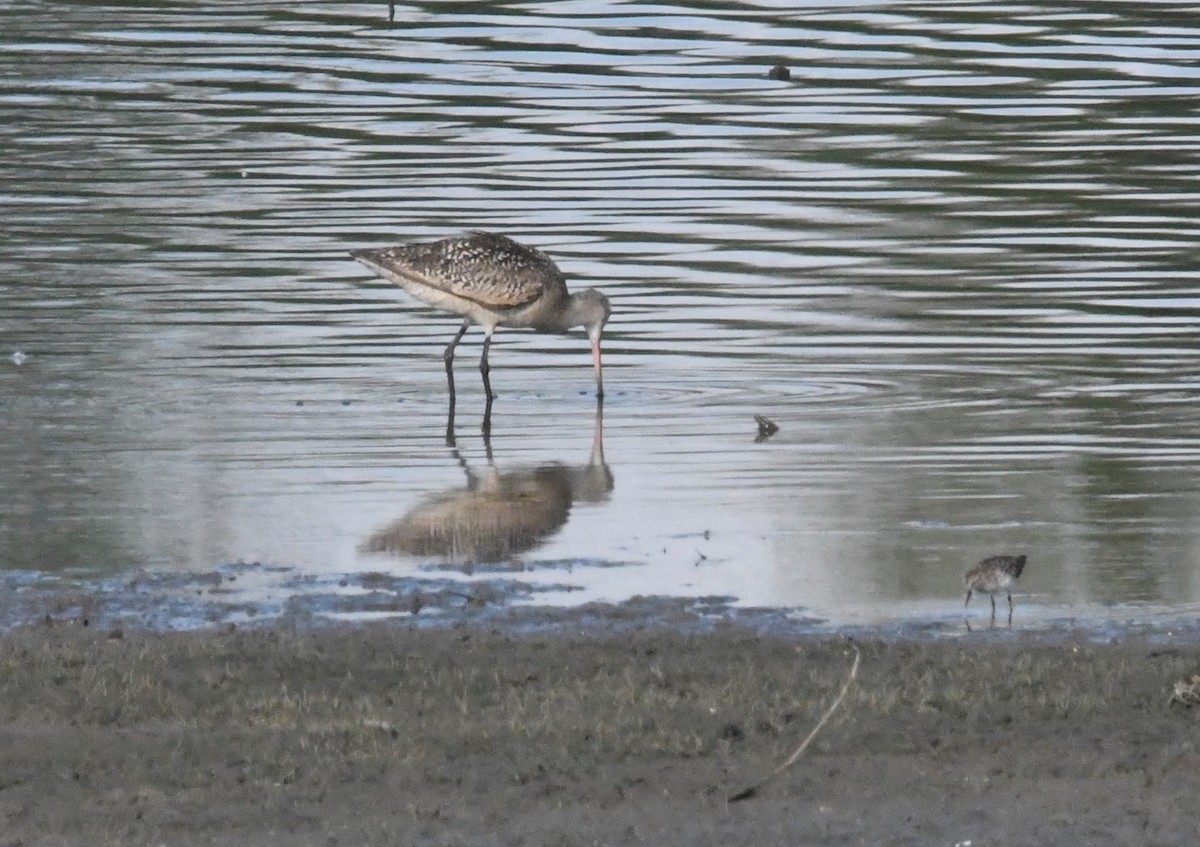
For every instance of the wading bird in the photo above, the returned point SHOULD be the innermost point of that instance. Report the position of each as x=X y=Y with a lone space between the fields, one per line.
x=492 y=281
x=996 y=573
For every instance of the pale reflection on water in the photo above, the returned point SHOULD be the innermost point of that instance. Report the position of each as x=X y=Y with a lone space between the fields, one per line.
x=953 y=258
x=500 y=515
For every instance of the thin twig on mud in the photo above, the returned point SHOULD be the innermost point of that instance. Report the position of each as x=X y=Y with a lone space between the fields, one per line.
x=747 y=793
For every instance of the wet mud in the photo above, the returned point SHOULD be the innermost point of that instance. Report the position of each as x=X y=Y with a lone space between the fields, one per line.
x=634 y=733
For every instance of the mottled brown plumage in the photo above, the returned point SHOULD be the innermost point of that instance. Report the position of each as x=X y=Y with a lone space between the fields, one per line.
x=483 y=267
x=993 y=574
x=493 y=281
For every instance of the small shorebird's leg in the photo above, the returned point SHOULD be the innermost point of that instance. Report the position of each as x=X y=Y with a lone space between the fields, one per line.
x=448 y=356
x=487 y=432
x=451 y=441
x=1010 y=608
x=487 y=422
x=485 y=368
x=993 y=596
x=968 y=603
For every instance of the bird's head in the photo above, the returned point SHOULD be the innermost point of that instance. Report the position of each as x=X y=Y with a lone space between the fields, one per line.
x=591 y=310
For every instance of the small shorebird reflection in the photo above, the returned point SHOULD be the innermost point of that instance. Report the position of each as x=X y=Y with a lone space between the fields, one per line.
x=500 y=514
x=992 y=575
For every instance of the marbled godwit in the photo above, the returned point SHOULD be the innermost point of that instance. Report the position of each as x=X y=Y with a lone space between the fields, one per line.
x=492 y=281
x=996 y=573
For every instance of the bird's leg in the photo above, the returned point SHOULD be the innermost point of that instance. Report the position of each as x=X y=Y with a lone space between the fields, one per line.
x=485 y=368
x=487 y=422
x=487 y=429
x=968 y=603
x=448 y=356
x=450 y=439
x=1010 y=608
x=993 y=596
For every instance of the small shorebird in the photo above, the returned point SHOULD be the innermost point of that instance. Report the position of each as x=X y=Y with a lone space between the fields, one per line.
x=492 y=281
x=996 y=573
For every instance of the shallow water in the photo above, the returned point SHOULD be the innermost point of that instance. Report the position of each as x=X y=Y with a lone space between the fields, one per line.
x=953 y=258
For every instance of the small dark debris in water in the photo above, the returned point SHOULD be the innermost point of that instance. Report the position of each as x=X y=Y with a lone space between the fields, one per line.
x=707 y=534
x=779 y=72
x=702 y=558
x=345 y=402
x=299 y=402
x=766 y=428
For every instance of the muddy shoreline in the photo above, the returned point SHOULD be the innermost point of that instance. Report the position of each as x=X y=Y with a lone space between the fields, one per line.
x=386 y=733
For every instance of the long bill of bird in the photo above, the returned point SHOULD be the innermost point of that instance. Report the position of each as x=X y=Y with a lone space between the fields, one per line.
x=591 y=310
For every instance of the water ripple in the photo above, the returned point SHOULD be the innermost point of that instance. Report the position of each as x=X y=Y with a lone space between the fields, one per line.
x=952 y=257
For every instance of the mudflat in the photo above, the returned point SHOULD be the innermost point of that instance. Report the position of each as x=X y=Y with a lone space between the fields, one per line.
x=390 y=734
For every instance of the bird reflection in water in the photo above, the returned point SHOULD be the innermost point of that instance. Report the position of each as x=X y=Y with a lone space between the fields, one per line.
x=500 y=514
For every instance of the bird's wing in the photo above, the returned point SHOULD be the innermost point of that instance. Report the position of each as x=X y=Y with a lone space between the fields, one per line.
x=488 y=269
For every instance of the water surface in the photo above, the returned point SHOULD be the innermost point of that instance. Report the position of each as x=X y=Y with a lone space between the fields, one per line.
x=954 y=258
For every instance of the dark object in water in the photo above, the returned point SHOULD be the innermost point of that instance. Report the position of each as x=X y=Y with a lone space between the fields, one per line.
x=766 y=428
x=779 y=72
